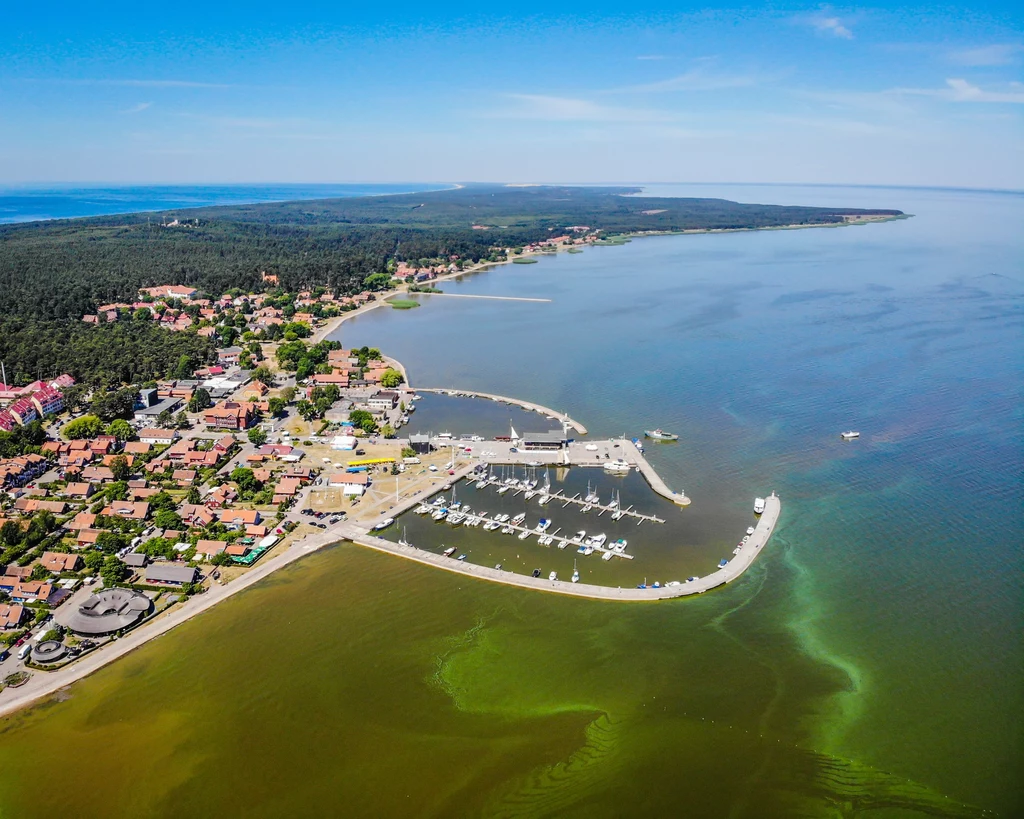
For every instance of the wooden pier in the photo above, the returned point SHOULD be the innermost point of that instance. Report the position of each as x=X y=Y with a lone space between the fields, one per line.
x=518 y=529
x=565 y=500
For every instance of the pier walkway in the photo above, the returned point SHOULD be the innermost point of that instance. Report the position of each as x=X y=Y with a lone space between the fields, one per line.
x=732 y=570
x=501 y=399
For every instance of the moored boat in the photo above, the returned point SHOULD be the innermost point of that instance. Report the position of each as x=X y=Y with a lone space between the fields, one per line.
x=660 y=435
x=849 y=436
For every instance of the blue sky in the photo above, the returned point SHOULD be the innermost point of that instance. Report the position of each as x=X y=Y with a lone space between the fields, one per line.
x=193 y=92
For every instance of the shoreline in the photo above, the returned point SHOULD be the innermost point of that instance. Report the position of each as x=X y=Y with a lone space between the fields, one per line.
x=381 y=298
x=44 y=684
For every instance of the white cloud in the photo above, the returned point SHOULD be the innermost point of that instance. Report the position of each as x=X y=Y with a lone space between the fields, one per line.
x=651 y=57
x=142 y=106
x=825 y=22
x=567 y=109
x=960 y=90
x=160 y=83
x=995 y=54
x=696 y=79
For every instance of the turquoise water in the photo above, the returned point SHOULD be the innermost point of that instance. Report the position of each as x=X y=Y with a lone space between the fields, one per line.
x=26 y=203
x=899 y=555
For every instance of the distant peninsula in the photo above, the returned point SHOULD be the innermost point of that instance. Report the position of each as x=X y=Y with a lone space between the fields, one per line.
x=60 y=270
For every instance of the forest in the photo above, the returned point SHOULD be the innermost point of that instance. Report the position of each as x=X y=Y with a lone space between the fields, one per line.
x=123 y=352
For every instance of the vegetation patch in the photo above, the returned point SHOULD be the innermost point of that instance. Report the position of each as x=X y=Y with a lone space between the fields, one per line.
x=403 y=304
x=524 y=261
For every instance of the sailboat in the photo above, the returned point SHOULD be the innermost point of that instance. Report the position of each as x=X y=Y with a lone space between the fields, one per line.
x=402 y=541
x=575 y=573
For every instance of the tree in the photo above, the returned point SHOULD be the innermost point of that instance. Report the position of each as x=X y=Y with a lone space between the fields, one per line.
x=167 y=519
x=387 y=431
x=221 y=559
x=276 y=406
x=142 y=314
x=391 y=378
x=10 y=533
x=113 y=571
x=263 y=375
x=181 y=420
x=288 y=394
x=93 y=561
x=88 y=426
x=119 y=468
x=257 y=437
x=193 y=496
x=329 y=393
x=116 y=491
x=200 y=400
x=117 y=404
x=377 y=281
x=306 y=409
x=246 y=481
x=39 y=572
x=165 y=419
x=121 y=430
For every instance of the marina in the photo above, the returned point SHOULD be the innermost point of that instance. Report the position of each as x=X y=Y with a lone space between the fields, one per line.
x=730 y=571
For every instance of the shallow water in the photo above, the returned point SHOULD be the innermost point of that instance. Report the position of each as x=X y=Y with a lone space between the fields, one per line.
x=869 y=663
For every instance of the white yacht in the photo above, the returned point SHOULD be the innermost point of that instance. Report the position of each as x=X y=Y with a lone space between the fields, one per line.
x=849 y=436
x=523 y=535
x=575 y=573
x=518 y=519
x=597 y=540
x=439 y=513
x=618 y=465
x=608 y=555
x=553 y=576
x=544 y=525
x=758 y=506
x=563 y=543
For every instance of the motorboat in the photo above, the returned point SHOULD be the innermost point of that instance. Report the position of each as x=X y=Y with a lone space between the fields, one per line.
x=849 y=436
x=422 y=509
x=660 y=435
x=553 y=576
x=758 y=506
x=563 y=543
x=619 y=546
x=491 y=525
x=449 y=551
x=723 y=563
x=384 y=524
x=575 y=573
x=587 y=507
x=597 y=540
x=607 y=555
x=638 y=444
x=544 y=525
x=523 y=535
x=518 y=519
x=580 y=535
x=750 y=530
x=461 y=557
x=439 y=513
x=536 y=572
x=618 y=465
x=507 y=530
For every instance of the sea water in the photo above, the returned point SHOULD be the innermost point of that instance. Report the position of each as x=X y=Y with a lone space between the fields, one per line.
x=870 y=660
